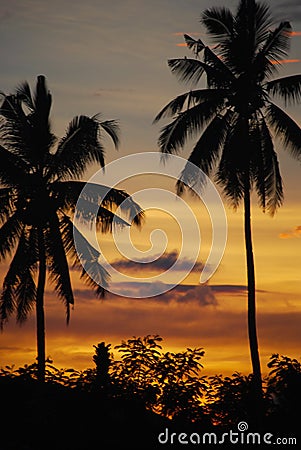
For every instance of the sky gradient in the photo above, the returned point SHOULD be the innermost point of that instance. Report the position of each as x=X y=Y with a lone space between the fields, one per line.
x=111 y=57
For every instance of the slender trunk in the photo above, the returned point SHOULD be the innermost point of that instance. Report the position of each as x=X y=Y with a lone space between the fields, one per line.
x=40 y=316
x=253 y=341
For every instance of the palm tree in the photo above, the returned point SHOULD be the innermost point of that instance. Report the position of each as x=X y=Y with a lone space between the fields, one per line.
x=236 y=119
x=40 y=179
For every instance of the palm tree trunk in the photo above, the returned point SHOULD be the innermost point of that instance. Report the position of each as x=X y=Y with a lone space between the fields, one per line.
x=40 y=315
x=252 y=329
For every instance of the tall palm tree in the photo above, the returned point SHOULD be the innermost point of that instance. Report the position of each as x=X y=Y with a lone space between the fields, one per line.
x=40 y=183
x=236 y=118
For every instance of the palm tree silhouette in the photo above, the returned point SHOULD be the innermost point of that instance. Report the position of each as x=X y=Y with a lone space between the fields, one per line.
x=40 y=185
x=237 y=119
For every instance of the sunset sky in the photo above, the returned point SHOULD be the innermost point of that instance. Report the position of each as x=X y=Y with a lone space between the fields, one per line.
x=111 y=57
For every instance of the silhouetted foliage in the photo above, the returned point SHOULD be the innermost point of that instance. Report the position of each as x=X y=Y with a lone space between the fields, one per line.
x=140 y=394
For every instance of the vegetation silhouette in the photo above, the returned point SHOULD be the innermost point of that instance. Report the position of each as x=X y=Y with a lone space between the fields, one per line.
x=40 y=178
x=128 y=402
x=237 y=120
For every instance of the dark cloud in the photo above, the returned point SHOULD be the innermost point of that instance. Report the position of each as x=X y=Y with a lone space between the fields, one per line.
x=202 y=295
x=162 y=263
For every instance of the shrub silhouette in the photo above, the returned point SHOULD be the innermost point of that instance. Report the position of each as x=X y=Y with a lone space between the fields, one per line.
x=145 y=387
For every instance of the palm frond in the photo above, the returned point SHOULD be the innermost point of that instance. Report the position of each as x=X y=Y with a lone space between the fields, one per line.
x=111 y=127
x=189 y=99
x=225 y=73
x=25 y=293
x=264 y=22
x=18 y=287
x=195 y=45
x=265 y=169
x=218 y=23
x=25 y=135
x=78 y=148
x=70 y=192
x=93 y=273
x=285 y=128
x=287 y=88
x=10 y=233
x=24 y=93
x=234 y=163
x=173 y=107
x=174 y=135
x=13 y=168
x=191 y=70
x=7 y=198
x=205 y=153
x=187 y=70
x=278 y=43
x=104 y=219
x=57 y=263
x=274 y=186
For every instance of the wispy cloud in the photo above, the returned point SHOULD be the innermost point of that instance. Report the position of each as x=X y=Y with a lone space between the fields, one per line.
x=286 y=61
x=294 y=233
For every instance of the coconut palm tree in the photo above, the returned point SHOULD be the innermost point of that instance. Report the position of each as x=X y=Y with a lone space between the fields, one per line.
x=40 y=179
x=236 y=118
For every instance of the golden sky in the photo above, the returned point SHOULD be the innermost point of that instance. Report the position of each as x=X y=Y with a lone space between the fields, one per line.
x=112 y=58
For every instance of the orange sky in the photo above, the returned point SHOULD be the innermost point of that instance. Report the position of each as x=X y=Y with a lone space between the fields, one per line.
x=113 y=59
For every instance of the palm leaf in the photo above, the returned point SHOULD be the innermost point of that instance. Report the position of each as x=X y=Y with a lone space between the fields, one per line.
x=18 y=287
x=285 y=128
x=274 y=187
x=78 y=148
x=263 y=22
x=173 y=107
x=278 y=43
x=234 y=163
x=10 y=233
x=190 y=98
x=57 y=263
x=25 y=294
x=7 y=197
x=195 y=45
x=265 y=168
x=218 y=23
x=93 y=273
x=287 y=88
x=206 y=152
x=174 y=135
x=24 y=93
x=70 y=192
x=111 y=127
x=186 y=69
x=222 y=76
x=103 y=218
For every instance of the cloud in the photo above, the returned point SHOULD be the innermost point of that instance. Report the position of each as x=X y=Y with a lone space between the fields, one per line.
x=286 y=61
x=202 y=295
x=294 y=233
x=161 y=263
